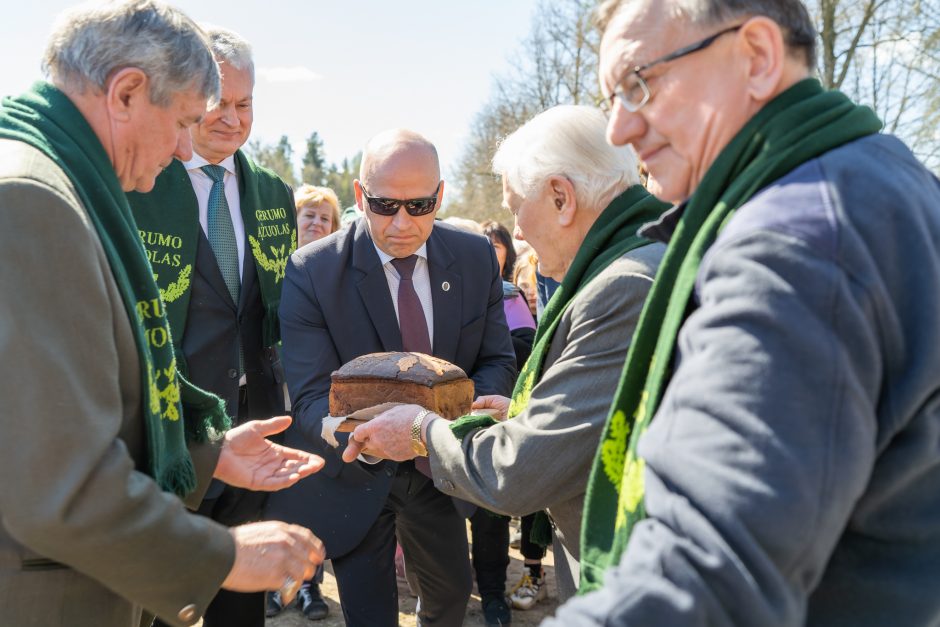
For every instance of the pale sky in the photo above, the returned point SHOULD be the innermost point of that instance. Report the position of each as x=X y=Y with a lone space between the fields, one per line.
x=345 y=69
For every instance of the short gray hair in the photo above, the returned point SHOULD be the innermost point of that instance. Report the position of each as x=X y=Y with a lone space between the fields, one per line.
x=91 y=42
x=568 y=141
x=790 y=15
x=230 y=47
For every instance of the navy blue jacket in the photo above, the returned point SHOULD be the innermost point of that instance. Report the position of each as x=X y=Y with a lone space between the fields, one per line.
x=336 y=306
x=792 y=470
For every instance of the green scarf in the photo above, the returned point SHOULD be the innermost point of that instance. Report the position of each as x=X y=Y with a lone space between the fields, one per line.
x=801 y=124
x=611 y=236
x=174 y=410
x=608 y=239
x=168 y=224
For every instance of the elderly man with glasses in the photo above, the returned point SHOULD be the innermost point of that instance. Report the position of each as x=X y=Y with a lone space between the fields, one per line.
x=395 y=280
x=771 y=456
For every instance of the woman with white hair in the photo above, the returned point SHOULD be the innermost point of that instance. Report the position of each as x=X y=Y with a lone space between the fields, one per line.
x=578 y=201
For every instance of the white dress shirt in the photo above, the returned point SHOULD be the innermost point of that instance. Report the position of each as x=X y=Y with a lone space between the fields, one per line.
x=202 y=185
x=421 y=278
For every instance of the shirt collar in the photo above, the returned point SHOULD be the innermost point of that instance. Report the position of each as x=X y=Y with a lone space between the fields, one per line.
x=384 y=257
x=662 y=228
x=198 y=161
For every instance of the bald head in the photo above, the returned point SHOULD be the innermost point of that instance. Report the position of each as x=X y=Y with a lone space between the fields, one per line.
x=399 y=165
x=394 y=147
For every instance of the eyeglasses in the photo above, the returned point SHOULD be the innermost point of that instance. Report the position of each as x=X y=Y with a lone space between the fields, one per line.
x=632 y=91
x=390 y=206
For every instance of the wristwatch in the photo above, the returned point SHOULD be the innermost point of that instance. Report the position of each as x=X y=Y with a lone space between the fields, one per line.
x=416 y=444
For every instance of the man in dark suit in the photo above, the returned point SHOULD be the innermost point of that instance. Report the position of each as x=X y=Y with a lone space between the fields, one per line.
x=211 y=226
x=395 y=280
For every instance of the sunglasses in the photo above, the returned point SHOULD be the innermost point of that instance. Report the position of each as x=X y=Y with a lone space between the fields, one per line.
x=390 y=206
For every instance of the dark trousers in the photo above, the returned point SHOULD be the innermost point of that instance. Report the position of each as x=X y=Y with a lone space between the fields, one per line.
x=434 y=539
x=490 y=536
x=530 y=550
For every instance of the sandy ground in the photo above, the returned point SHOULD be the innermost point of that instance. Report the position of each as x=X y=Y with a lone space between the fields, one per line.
x=406 y=604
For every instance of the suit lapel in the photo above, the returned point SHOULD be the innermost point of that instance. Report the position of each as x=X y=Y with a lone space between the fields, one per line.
x=373 y=289
x=249 y=275
x=446 y=297
x=208 y=267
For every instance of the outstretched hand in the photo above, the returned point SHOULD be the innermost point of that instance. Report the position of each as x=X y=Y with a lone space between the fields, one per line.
x=250 y=460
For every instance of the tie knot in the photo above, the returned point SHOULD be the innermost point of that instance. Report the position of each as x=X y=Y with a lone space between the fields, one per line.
x=405 y=266
x=214 y=172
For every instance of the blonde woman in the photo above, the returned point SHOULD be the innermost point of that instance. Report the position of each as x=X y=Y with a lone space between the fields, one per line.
x=317 y=213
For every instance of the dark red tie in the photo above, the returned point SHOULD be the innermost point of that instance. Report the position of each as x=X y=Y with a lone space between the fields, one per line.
x=411 y=321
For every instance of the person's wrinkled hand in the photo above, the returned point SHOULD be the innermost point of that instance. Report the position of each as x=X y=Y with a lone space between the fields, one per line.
x=364 y=415
x=249 y=460
x=388 y=435
x=496 y=406
x=273 y=555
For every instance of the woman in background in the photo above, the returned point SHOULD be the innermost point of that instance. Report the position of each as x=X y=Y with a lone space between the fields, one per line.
x=317 y=213
x=525 y=279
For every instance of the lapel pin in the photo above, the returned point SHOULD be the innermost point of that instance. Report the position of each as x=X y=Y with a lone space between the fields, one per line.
x=445 y=286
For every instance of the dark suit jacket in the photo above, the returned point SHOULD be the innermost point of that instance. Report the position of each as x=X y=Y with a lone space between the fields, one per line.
x=336 y=306
x=213 y=327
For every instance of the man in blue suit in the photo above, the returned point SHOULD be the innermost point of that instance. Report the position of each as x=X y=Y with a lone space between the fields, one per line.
x=395 y=280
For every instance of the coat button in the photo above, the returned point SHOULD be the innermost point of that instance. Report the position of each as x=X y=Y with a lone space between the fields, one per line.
x=232 y=373
x=389 y=472
x=188 y=614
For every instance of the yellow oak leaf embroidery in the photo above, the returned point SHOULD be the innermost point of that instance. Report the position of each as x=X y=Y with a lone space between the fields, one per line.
x=153 y=391
x=168 y=396
x=178 y=287
x=631 y=491
x=277 y=264
x=517 y=404
x=614 y=447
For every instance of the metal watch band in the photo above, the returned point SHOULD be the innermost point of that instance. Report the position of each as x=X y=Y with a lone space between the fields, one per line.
x=416 y=442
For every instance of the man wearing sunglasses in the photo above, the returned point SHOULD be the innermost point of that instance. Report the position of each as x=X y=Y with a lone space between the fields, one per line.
x=771 y=456
x=395 y=280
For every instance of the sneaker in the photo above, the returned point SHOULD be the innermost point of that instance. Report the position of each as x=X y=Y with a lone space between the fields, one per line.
x=496 y=611
x=273 y=605
x=515 y=540
x=311 y=602
x=529 y=591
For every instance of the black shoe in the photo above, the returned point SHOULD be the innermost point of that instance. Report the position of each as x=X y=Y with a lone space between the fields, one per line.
x=311 y=602
x=273 y=605
x=496 y=611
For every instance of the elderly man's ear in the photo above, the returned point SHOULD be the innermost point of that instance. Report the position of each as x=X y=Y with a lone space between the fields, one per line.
x=123 y=88
x=562 y=194
x=764 y=52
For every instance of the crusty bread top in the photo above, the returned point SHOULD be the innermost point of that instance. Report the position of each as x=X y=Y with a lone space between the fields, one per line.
x=405 y=367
